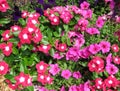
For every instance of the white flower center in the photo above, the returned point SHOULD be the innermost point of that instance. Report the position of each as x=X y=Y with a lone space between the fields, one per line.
x=7 y=48
x=1 y=68
x=42 y=77
x=15 y=28
x=34 y=21
x=22 y=79
x=44 y=47
x=52 y=15
x=30 y=29
x=98 y=62
x=93 y=65
x=29 y=81
x=25 y=36
x=3 y=5
x=48 y=78
x=110 y=81
x=7 y=36
x=41 y=67
x=100 y=82
x=62 y=47
x=55 y=20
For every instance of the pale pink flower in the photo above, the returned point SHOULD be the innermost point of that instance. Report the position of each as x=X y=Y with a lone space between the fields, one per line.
x=111 y=69
x=54 y=69
x=66 y=74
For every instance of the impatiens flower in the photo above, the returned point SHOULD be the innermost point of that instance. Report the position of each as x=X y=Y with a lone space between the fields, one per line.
x=41 y=67
x=98 y=83
x=48 y=79
x=23 y=79
x=94 y=48
x=92 y=31
x=62 y=88
x=115 y=48
x=77 y=75
x=54 y=69
x=73 y=88
x=41 y=78
x=16 y=28
x=44 y=48
x=111 y=69
x=24 y=14
x=3 y=67
x=37 y=36
x=109 y=58
x=73 y=54
x=4 y=5
x=66 y=74
x=104 y=46
x=6 y=48
x=55 y=20
x=6 y=35
x=57 y=55
x=111 y=81
x=62 y=47
x=13 y=86
x=100 y=22
x=32 y=21
x=25 y=37
x=84 y=5
x=116 y=59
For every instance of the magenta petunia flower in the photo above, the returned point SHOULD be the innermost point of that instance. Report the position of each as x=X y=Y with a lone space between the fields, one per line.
x=57 y=55
x=92 y=31
x=109 y=58
x=79 y=42
x=100 y=22
x=94 y=48
x=77 y=75
x=111 y=69
x=54 y=69
x=66 y=74
x=104 y=46
x=73 y=88
x=62 y=88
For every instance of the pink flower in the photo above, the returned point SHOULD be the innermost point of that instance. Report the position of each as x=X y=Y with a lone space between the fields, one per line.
x=16 y=28
x=115 y=48
x=111 y=69
x=13 y=86
x=116 y=60
x=23 y=79
x=84 y=5
x=105 y=46
x=62 y=88
x=94 y=48
x=79 y=42
x=54 y=20
x=62 y=47
x=24 y=14
x=66 y=74
x=109 y=58
x=73 y=88
x=57 y=55
x=92 y=31
x=98 y=83
x=44 y=48
x=4 y=5
x=77 y=75
x=100 y=22
x=32 y=21
x=87 y=13
x=87 y=86
x=73 y=54
x=41 y=67
x=41 y=78
x=85 y=53
x=3 y=67
x=6 y=35
x=6 y=48
x=54 y=69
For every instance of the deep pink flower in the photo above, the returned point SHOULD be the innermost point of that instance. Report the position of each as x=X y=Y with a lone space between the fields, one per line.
x=99 y=83
x=111 y=69
x=66 y=74
x=41 y=78
x=85 y=53
x=57 y=55
x=104 y=46
x=116 y=59
x=6 y=35
x=73 y=88
x=84 y=5
x=87 y=13
x=109 y=58
x=32 y=21
x=115 y=48
x=94 y=48
x=4 y=5
x=16 y=28
x=6 y=48
x=62 y=47
x=87 y=86
x=25 y=14
x=44 y=48
x=41 y=67
x=77 y=75
x=48 y=79
x=3 y=67
x=92 y=31
x=62 y=88
x=79 y=42
x=54 y=69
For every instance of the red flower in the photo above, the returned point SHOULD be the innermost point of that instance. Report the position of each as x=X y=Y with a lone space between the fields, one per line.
x=55 y=20
x=62 y=47
x=6 y=35
x=13 y=86
x=115 y=48
x=44 y=48
x=41 y=78
x=24 y=37
x=37 y=37
x=23 y=79
x=48 y=79
x=24 y=14
x=30 y=28
x=33 y=21
x=4 y=5
x=41 y=67
x=6 y=48
x=98 y=83
x=16 y=28
x=3 y=68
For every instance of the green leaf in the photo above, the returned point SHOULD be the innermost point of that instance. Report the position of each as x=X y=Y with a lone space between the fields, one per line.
x=15 y=50
x=30 y=88
x=65 y=27
x=22 y=21
x=52 y=51
x=45 y=42
x=4 y=21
